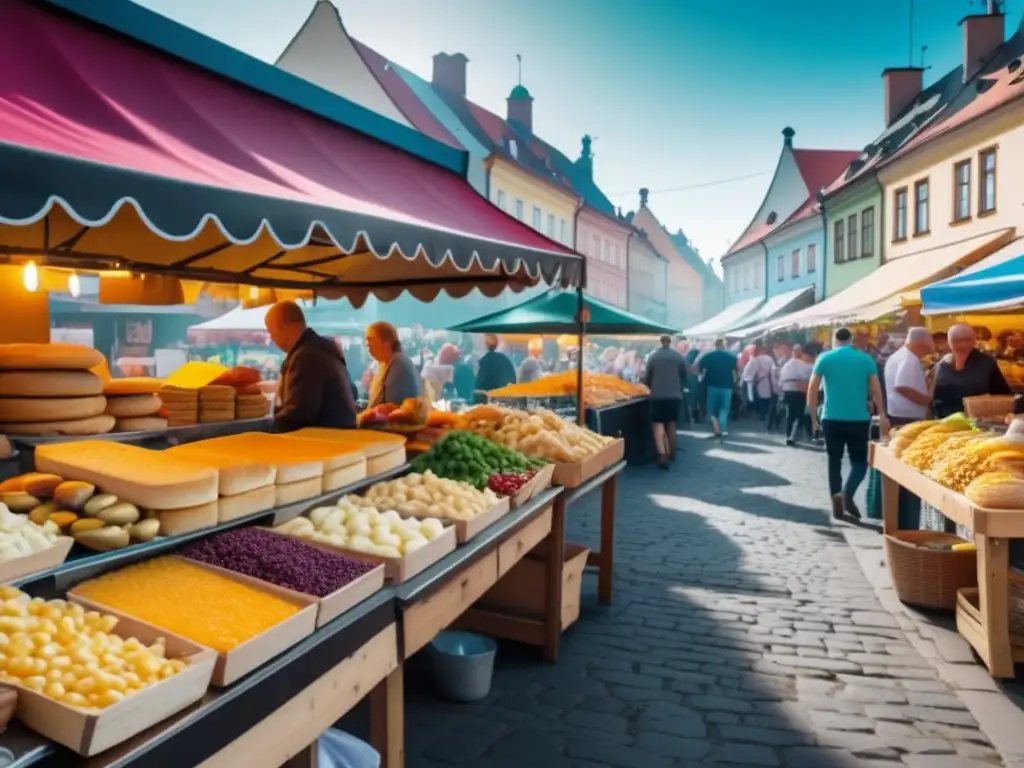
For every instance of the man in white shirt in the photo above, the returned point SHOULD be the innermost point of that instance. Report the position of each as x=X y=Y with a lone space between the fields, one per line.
x=793 y=379
x=906 y=390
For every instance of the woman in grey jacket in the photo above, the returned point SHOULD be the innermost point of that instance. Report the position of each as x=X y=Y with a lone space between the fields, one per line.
x=397 y=377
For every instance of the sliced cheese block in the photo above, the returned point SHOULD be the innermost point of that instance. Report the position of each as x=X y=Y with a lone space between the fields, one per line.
x=385 y=462
x=243 y=504
x=330 y=455
x=141 y=424
x=96 y=425
x=291 y=467
x=49 y=357
x=373 y=443
x=174 y=522
x=22 y=409
x=132 y=406
x=50 y=384
x=339 y=478
x=291 y=493
x=238 y=474
x=133 y=385
x=148 y=479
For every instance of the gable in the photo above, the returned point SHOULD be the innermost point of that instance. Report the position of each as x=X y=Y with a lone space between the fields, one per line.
x=786 y=192
x=323 y=53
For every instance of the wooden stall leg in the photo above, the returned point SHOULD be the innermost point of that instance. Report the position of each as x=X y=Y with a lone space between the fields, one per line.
x=606 y=570
x=553 y=603
x=387 y=724
x=307 y=758
x=993 y=597
x=890 y=505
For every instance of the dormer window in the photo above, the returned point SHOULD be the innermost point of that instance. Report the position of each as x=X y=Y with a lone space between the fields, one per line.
x=772 y=218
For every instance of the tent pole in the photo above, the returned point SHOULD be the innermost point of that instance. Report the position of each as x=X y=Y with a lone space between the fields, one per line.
x=581 y=415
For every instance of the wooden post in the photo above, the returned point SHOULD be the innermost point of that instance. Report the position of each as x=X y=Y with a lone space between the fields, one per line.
x=994 y=604
x=387 y=712
x=890 y=505
x=581 y=318
x=606 y=570
x=553 y=588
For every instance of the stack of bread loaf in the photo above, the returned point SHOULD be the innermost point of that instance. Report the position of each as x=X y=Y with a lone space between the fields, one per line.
x=179 y=405
x=216 y=403
x=250 y=402
x=182 y=495
x=135 y=404
x=49 y=389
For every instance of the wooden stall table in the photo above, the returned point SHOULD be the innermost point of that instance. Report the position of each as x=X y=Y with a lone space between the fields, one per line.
x=985 y=626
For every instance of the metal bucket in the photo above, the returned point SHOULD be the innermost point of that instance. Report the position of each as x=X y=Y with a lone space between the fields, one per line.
x=463 y=665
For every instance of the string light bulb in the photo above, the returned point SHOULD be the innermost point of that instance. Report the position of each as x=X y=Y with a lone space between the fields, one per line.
x=74 y=285
x=30 y=277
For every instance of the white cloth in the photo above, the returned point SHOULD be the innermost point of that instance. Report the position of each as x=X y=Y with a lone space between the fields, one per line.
x=903 y=369
x=758 y=375
x=793 y=373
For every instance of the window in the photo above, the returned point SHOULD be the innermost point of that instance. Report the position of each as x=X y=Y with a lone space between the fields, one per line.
x=536 y=218
x=551 y=225
x=500 y=199
x=921 y=207
x=838 y=246
x=780 y=268
x=962 y=191
x=562 y=231
x=519 y=210
x=607 y=252
x=794 y=268
x=987 y=187
x=596 y=249
x=899 y=219
x=867 y=233
x=812 y=258
x=851 y=237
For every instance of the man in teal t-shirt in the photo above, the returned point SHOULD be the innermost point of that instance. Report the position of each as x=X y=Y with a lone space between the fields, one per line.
x=851 y=379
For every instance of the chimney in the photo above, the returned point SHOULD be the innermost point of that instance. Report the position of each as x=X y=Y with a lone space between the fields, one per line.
x=901 y=86
x=644 y=192
x=450 y=72
x=520 y=110
x=983 y=34
x=787 y=137
x=586 y=161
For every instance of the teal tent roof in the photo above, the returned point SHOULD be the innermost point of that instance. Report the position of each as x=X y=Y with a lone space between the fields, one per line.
x=554 y=312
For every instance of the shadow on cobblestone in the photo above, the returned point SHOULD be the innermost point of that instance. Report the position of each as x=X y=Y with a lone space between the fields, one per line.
x=738 y=636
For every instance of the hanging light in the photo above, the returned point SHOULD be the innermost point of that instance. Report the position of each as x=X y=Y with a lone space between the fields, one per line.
x=74 y=285
x=254 y=292
x=30 y=277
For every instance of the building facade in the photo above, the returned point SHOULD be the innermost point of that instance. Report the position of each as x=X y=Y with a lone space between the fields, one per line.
x=795 y=253
x=855 y=209
x=713 y=291
x=648 y=279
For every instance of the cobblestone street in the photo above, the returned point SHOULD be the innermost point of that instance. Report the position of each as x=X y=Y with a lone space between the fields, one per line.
x=743 y=632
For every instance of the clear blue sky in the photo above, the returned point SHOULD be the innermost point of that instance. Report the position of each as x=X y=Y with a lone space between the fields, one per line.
x=677 y=93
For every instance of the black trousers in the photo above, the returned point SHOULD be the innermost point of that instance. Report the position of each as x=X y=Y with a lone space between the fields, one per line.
x=846 y=437
x=797 y=418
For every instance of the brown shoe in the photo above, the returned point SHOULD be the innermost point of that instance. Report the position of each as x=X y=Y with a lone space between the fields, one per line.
x=837 y=506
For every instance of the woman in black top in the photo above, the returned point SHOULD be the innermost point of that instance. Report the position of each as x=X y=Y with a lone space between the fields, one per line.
x=965 y=372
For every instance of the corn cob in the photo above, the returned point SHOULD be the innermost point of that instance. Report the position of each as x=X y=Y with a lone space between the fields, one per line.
x=998 y=490
x=921 y=454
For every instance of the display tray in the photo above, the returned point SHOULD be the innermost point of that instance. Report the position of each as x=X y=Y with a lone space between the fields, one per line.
x=37 y=562
x=400 y=569
x=571 y=475
x=540 y=482
x=253 y=653
x=330 y=606
x=89 y=732
x=172 y=434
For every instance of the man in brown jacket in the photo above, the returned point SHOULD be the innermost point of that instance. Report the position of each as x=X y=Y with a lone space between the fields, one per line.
x=314 y=389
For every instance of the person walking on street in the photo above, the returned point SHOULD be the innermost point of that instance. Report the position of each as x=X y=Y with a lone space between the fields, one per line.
x=757 y=376
x=666 y=378
x=793 y=380
x=851 y=379
x=719 y=370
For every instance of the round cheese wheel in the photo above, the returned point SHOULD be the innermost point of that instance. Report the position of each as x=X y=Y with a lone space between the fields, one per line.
x=97 y=425
x=49 y=357
x=173 y=407
x=132 y=406
x=140 y=424
x=133 y=385
x=50 y=384
x=34 y=409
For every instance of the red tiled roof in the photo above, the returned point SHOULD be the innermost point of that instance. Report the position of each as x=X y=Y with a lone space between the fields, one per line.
x=401 y=94
x=817 y=168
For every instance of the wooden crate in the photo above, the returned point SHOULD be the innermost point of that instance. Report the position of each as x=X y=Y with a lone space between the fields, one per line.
x=575 y=474
x=522 y=590
x=89 y=732
x=467 y=529
x=43 y=560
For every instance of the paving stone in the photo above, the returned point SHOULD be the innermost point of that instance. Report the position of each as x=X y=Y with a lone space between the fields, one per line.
x=617 y=756
x=767 y=736
x=917 y=714
x=673 y=746
x=873 y=695
x=596 y=721
x=819 y=757
x=842 y=722
x=744 y=754
x=719 y=704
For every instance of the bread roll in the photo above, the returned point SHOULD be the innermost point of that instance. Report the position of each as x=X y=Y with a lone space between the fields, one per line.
x=133 y=406
x=145 y=478
x=96 y=425
x=50 y=384
x=25 y=409
x=133 y=385
x=140 y=424
x=48 y=357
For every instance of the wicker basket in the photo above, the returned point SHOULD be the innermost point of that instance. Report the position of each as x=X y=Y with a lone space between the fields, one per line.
x=929 y=578
x=988 y=407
